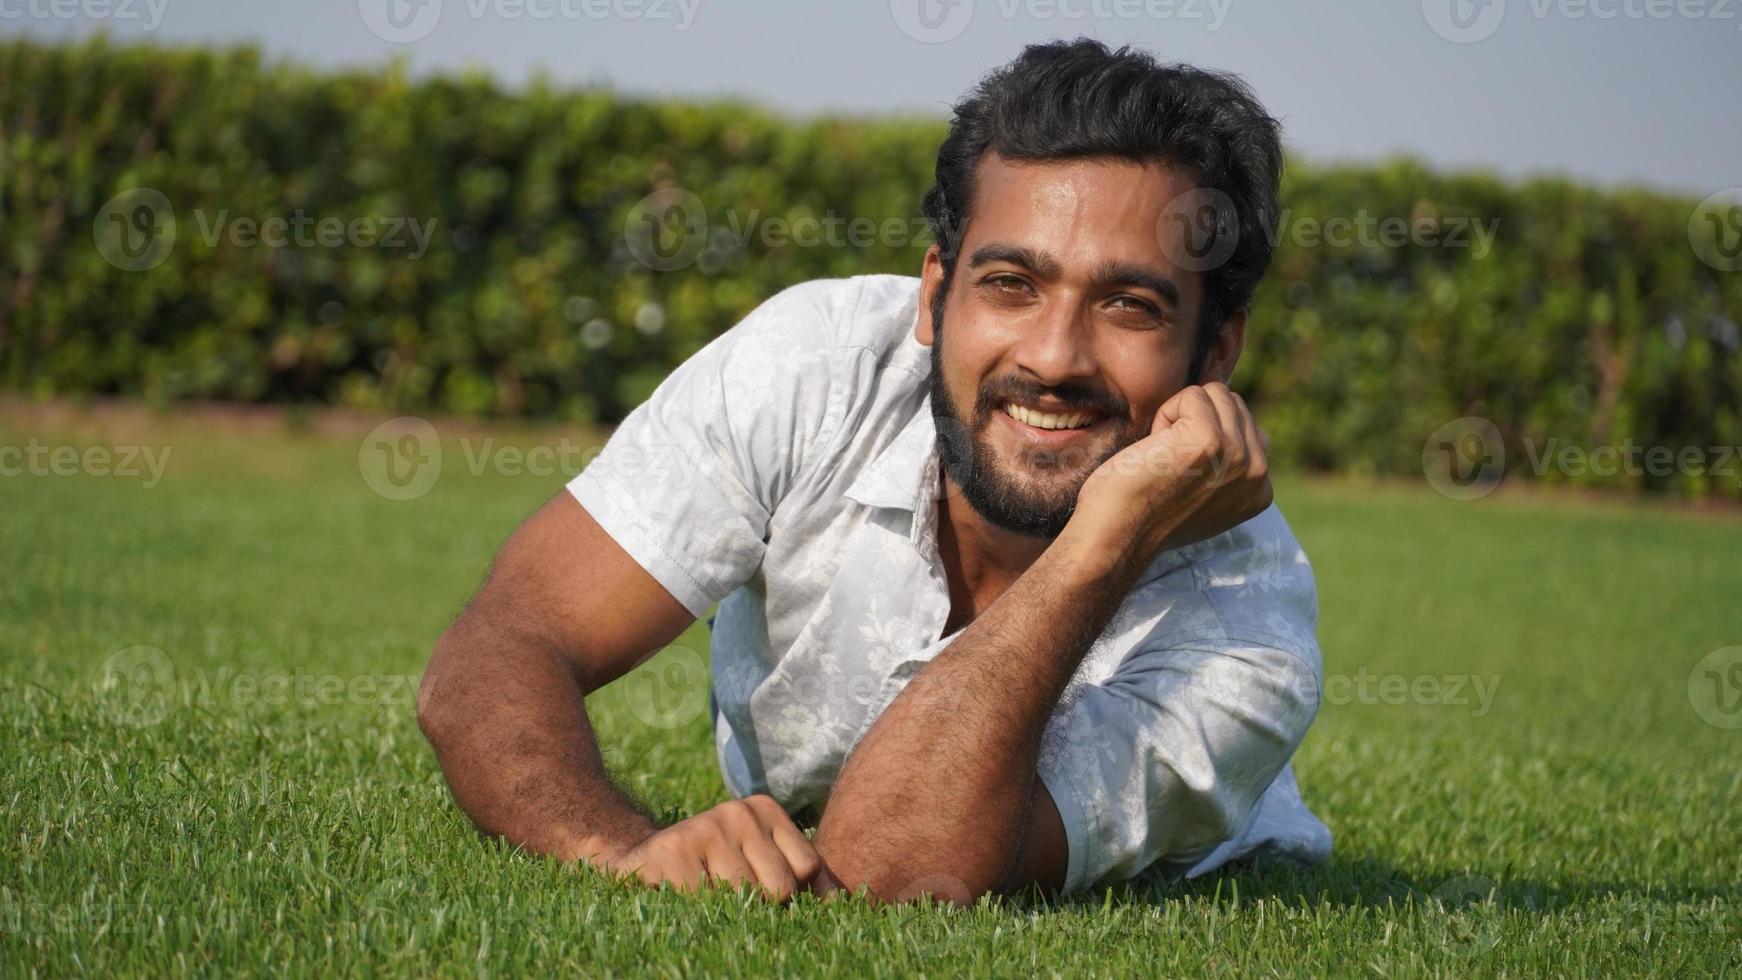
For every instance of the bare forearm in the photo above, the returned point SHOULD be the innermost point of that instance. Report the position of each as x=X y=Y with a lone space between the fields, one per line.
x=941 y=784
x=508 y=721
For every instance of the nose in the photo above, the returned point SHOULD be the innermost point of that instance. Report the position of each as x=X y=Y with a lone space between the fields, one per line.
x=1056 y=347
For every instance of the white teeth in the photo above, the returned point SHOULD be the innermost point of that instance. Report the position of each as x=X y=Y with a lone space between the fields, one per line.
x=1047 y=420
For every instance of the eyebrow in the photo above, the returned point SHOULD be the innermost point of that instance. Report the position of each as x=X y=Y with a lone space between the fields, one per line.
x=1132 y=274
x=1110 y=273
x=1040 y=263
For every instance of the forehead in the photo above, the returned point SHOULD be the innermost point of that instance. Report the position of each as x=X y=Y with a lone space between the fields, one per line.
x=1084 y=212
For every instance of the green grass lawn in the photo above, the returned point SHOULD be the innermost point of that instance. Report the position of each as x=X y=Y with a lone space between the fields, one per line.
x=250 y=791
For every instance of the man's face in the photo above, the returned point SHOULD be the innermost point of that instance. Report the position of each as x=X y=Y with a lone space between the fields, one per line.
x=1068 y=327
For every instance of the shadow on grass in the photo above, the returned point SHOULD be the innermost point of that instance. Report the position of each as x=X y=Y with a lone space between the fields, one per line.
x=1376 y=884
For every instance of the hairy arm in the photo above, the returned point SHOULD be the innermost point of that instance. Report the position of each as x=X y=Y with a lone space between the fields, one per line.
x=942 y=795
x=565 y=611
x=503 y=702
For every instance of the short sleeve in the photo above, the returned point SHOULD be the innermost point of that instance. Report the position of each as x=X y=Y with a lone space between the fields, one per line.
x=1170 y=754
x=689 y=481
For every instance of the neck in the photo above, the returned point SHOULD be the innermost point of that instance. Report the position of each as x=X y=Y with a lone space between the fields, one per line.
x=980 y=559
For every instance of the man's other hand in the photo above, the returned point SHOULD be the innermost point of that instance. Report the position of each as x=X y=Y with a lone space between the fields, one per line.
x=750 y=841
x=1201 y=470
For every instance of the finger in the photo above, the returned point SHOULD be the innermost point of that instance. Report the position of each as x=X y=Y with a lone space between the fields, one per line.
x=801 y=856
x=684 y=874
x=1235 y=451
x=770 y=867
x=1188 y=402
x=1257 y=443
x=824 y=883
x=726 y=862
x=1160 y=422
x=1193 y=431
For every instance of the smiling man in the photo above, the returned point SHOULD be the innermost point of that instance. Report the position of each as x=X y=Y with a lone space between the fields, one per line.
x=1003 y=599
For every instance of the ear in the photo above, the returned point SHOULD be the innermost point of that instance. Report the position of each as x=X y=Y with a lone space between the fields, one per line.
x=931 y=279
x=1224 y=353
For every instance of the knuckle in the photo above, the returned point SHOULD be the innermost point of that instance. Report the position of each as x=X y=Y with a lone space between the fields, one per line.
x=708 y=828
x=806 y=864
x=765 y=805
x=672 y=848
x=737 y=816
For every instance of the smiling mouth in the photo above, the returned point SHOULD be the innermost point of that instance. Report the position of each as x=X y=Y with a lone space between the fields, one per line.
x=1050 y=420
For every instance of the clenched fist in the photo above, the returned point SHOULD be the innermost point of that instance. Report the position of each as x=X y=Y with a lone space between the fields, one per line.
x=1200 y=471
x=750 y=841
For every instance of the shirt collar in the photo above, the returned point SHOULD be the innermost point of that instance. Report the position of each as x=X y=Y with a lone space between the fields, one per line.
x=905 y=473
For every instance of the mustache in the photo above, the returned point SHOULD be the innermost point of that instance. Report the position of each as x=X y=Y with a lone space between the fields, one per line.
x=1074 y=395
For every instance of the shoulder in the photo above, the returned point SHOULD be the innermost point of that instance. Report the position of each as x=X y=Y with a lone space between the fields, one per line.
x=797 y=348
x=859 y=312
x=849 y=342
x=1252 y=585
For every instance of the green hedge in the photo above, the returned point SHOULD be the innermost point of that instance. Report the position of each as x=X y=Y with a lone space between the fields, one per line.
x=1591 y=320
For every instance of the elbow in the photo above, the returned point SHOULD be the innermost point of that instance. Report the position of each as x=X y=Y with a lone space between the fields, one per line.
x=434 y=703
x=900 y=884
x=909 y=874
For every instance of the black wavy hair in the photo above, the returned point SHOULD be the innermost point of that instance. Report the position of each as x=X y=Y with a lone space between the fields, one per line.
x=1079 y=99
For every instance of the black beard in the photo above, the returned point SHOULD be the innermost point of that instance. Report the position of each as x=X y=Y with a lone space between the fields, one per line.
x=972 y=465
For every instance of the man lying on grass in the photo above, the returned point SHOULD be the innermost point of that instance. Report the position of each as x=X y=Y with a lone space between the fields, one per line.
x=1003 y=598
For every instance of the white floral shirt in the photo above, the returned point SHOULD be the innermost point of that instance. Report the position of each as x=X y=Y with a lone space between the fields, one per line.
x=787 y=472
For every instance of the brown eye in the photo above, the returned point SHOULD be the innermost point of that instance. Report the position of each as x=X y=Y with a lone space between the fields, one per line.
x=1006 y=288
x=1131 y=304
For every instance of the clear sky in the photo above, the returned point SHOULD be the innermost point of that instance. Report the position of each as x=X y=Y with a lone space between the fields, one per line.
x=1636 y=91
